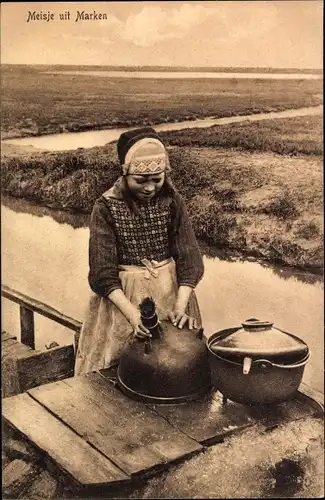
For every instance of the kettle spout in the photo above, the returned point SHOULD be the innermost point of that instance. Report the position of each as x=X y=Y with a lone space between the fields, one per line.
x=149 y=317
x=247 y=365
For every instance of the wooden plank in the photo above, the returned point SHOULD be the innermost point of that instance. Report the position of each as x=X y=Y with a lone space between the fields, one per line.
x=10 y=379
x=27 y=327
x=207 y=420
x=277 y=414
x=125 y=431
x=313 y=397
x=24 y=368
x=13 y=348
x=6 y=346
x=70 y=452
x=7 y=336
x=43 y=367
x=143 y=423
x=312 y=393
x=40 y=308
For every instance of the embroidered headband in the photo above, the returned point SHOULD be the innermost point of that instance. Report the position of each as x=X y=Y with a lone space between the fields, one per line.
x=147 y=156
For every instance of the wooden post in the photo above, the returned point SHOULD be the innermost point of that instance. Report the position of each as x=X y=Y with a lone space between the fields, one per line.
x=27 y=329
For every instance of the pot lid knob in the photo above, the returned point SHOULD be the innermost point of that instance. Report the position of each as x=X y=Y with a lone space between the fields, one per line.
x=256 y=325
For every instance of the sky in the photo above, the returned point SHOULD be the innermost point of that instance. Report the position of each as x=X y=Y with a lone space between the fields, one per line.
x=280 y=34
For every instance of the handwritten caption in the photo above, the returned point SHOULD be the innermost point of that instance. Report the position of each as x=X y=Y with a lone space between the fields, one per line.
x=79 y=15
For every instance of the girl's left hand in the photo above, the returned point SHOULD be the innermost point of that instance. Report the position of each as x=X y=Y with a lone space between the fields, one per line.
x=180 y=318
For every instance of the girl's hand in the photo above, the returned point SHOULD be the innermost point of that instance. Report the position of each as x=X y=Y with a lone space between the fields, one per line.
x=180 y=318
x=134 y=318
x=130 y=312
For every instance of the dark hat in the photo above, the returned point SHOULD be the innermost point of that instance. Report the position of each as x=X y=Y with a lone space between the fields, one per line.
x=127 y=139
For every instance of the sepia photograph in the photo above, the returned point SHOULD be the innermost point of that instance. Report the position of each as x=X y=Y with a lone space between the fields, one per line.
x=162 y=251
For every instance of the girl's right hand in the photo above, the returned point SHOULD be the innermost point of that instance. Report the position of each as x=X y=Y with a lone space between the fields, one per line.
x=130 y=312
x=134 y=318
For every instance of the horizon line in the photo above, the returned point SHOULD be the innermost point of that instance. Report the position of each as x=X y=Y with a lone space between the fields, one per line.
x=133 y=66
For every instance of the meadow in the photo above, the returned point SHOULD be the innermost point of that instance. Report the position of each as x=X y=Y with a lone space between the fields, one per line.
x=35 y=102
x=289 y=136
x=254 y=187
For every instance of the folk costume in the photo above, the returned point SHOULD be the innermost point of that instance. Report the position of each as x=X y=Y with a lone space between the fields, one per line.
x=146 y=248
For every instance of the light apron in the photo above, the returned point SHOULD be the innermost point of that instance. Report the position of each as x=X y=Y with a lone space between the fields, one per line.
x=106 y=332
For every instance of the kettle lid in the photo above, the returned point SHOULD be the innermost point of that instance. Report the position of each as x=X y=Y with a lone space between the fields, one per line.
x=259 y=338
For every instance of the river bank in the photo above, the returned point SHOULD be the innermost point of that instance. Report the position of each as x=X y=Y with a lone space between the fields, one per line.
x=292 y=131
x=258 y=203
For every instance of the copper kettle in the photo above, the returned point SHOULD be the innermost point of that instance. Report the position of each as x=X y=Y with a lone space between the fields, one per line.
x=172 y=367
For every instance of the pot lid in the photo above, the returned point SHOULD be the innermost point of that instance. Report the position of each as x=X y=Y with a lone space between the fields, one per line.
x=259 y=338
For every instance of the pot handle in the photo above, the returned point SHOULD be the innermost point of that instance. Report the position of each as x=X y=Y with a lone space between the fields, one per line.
x=266 y=362
x=296 y=365
x=247 y=365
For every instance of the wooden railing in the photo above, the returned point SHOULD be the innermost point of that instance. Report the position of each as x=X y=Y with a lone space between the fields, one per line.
x=28 y=307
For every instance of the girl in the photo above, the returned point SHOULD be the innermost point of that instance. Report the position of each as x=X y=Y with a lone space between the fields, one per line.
x=141 y=245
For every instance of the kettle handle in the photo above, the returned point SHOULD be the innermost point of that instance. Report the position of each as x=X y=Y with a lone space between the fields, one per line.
x=199 y=334
x=147 y=346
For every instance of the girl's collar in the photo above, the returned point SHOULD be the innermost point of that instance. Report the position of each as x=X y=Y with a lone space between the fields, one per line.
x=116 y=191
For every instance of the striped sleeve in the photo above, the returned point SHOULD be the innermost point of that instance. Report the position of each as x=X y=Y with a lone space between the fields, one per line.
x=103 y=274
x=185 y=248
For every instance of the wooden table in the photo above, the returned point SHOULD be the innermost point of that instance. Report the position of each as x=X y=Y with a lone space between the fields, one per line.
x=99 y=437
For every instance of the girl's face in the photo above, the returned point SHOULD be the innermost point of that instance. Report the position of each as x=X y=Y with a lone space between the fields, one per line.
x=145 y=187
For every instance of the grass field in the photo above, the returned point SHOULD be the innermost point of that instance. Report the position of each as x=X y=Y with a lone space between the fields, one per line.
x=290 y=136
x=36 y=103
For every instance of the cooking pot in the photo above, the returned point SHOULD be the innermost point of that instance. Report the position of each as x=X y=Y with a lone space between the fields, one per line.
x=257 y=363
x=173 y=367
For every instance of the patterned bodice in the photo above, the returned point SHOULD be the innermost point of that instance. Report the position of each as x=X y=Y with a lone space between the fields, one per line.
x=143 y=235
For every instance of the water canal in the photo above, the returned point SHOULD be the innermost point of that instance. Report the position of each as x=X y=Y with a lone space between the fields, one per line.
x=73 y=140
x=45 y=255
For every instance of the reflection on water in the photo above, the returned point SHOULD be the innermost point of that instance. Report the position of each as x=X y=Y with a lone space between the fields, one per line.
x=19 y=205
x=287 y=272
x=48 y=260
x=283 y=271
